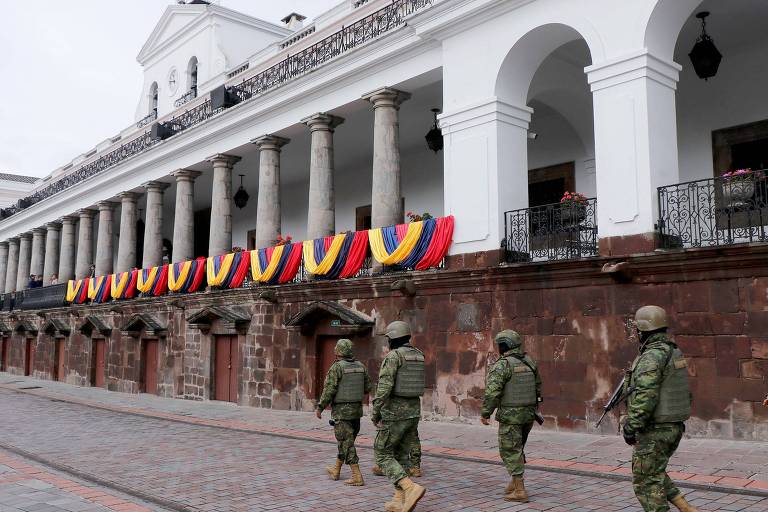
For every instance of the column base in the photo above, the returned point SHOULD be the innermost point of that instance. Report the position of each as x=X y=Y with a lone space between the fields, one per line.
x=629 y=244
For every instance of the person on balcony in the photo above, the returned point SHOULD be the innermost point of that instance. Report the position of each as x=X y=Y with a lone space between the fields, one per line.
x=54 y=279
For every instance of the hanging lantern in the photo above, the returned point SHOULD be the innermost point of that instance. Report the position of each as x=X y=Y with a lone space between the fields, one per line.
x=435 y=136
x=241 y=196
x=705 y=57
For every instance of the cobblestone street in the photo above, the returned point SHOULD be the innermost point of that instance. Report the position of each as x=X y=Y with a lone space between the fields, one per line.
x=179 y=466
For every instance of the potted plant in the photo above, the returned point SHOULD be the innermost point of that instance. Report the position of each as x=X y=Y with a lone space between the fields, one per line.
x=282 y=241
x=573 y=208
x=415 y=217
x=739 y=186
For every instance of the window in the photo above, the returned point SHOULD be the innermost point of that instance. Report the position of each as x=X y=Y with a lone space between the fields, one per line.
x=192 y=76
x=153 y=99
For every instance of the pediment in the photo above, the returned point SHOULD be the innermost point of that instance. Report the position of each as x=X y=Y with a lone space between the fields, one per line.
x=94 y=323
x=230 y=316
x=142 y=321
x=25 y=326
x=56 y=327
x=174 y=20
x=4 y=329
x=346 y=317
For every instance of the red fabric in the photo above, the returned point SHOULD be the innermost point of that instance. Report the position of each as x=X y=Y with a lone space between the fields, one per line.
x=242 y=269
x=268 y=253
x=130 y=291
x=356 y=256
x=292 y=265
x=83 y=291
x=161 y=284
x=199 y=276
x=327 y=241
x=106 y=292
x=438 y=247
x=401 y=230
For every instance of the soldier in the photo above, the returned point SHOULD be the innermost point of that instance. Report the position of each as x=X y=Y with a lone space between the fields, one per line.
x=658 y=404
x=345 y=386
x=514 y=388
x=414 y=460
x=396 y=412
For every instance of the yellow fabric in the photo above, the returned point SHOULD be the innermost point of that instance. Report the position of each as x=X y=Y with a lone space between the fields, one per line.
x=119 y=283
x=73 y=289
x=145 y=286
x=175 y=284
x=403 y=250
x=329 y=259
x=93 y=286
x=215 y=279
x=265 y=276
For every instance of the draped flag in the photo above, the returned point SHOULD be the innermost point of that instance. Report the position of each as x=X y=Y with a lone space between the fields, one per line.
x=77 y=291
x=276 y=265
x=338 y=256
x=228 y=270
x=124 y=285
x=186 y=276
x=153 y=281
x=418 y=245
x=100 y=289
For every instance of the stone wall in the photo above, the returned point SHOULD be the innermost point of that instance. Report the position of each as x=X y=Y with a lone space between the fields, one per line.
x=574 y=317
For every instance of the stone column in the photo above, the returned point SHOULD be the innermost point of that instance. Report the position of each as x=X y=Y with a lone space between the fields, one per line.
x=25 y=256
x=38 y=252
x=386 y=197
x=13 y=265
x=84 y=257
x=321 y=219
x=3 y=264
x=52 y=245
x=67 y=259
x=184 y=215
x=105 y=239
x=220 y=239
x=268 y=213
x=126 y=244
x=153 y=231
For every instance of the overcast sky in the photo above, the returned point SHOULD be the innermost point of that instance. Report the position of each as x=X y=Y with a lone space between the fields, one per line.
x=68 y=72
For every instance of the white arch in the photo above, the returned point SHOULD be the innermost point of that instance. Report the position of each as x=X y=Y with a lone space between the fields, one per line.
x=192 y=74
x=152 y=98
x=664 y=26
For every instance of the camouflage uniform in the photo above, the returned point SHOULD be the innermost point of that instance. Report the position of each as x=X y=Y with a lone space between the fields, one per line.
x=656 y=441
x=515 y=423
x=400 y=420
x=346 y=415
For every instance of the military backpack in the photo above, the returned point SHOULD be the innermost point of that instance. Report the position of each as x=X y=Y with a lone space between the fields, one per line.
x=409 y=382
x=352 y=384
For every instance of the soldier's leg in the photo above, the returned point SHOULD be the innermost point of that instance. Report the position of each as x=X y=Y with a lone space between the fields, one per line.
x=348 y=430
x=387 y=448
x=511 y=448
x=416 y=451
x=526 y=430
x=672 y=441
x=649 y=463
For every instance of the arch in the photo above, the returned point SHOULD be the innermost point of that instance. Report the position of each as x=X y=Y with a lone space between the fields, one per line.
x=664 y=25
x=192 y=75
x=153 y=97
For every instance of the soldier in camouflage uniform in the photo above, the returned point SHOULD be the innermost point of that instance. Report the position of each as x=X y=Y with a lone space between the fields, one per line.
x=396 y=412
x=345 y=386
x=658 y=404
x=513 y=389
x=413 y=462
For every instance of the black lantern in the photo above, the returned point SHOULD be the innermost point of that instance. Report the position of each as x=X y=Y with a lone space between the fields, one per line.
x=705 y=57
x=435 y=136
x=241 y=196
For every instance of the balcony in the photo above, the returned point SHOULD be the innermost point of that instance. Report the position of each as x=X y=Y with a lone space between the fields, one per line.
x=714 y=212
x=551 y=232
x=35 y=298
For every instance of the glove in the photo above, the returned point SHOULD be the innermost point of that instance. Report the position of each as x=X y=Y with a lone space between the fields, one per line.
x=629 y=437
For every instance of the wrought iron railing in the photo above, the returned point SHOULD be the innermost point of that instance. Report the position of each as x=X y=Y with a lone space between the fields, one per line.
x=186 y=98
x=388 y=18
x=714 y=211
x=551 y=232
x=144 y=121
x=46 y=297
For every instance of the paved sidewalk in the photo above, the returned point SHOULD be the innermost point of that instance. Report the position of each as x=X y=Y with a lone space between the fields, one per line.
x=716 y=463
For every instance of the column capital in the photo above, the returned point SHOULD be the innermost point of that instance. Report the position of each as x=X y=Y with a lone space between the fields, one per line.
x=185 y=175
x=222 y=159
x=13 y=240
x=86 y=212
x=633 y=66
x=39 y=231
x=483 y=112
x=387 y=97
x=68 y=219
x=156 y=186
x=106 y=205
x=128 y=197
x=270 y=142
x=53 y=226
x=4 y=243
x=25 y=236
x=322 y=122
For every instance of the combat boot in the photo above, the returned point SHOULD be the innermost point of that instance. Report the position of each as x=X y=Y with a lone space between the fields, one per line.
x=396 y=503
x=357 y=477
x=334 y=471
x=518 y=493
x=414 y=472
x=377 y=471
x=412 y=493
x=682 y=505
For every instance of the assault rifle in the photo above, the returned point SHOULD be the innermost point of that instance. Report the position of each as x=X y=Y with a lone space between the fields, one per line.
x=618 y=396
x=538 y=417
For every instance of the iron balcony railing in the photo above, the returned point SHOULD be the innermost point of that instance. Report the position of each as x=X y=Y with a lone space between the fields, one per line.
x=186 y=98
x=35 y=298
x=386 y=19
x=714 y=212
x=551 y=232
x=144 y=121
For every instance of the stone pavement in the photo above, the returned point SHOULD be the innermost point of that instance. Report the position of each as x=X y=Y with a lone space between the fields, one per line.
x=708 y=462
x=193 y=467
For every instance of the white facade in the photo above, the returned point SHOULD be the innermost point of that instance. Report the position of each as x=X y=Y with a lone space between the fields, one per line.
x=13 y=187
x=606 y=86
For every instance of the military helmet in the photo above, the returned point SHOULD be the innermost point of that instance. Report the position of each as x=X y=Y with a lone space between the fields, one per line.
x=509 y=337
x=344 y=348
x=651 y=318
x=398 y=329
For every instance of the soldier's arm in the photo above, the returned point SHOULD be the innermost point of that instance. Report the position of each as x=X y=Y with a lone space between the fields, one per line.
x=494 y=388
x=647 y=382
x=367 y=383
x=330 y=387
x=386 y=382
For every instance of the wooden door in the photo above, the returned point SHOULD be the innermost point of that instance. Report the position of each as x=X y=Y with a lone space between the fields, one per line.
x=149 y=363
x=59 y=360
x=29 y=357
x=98 y=364
x=225 y=372
x=325 y=358
x=3 y=353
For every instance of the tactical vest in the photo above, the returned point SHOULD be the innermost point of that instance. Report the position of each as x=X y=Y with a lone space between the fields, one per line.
x=674 y=394
x=409 y=382
x=352 y=383
x=520 y=389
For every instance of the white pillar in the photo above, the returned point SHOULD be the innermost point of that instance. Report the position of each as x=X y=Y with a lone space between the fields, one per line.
x=268 y=214
x=635 y=143
x=37 y=259
x=321 y=216
x=220 y=238
x=52 y=247
x=25 y=254
x=486 y=170
x=84 y=258
x=3 y=263
x=67 y=255
x=13 y=265
x=105 y=239
x=184 y=216
x=153 y=230
x=126 y=244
